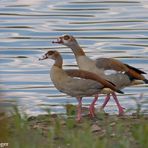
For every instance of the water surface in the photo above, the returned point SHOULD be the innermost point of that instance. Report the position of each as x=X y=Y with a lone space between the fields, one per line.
x=106 y=28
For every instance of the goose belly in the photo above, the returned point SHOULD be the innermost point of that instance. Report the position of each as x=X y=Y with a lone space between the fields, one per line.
x=77 y=87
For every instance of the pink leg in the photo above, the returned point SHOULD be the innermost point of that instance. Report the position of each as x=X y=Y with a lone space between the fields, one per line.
x=92 y=106
x=79 y=107
x=120 y=108
x=106 y=101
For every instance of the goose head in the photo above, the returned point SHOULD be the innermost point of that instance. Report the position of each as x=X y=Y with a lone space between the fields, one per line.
x=50 y=55
x=67 y=40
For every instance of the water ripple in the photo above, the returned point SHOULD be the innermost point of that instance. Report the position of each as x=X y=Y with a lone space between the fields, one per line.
x=106 y=28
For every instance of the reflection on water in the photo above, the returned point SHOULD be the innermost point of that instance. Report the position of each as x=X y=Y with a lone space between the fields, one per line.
x=104 y=28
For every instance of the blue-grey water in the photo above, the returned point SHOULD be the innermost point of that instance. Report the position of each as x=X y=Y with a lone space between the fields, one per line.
x=104 y=28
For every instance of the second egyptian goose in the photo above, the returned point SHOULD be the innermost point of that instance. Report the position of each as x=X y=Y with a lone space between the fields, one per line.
x=125 y=75
x=76 y=83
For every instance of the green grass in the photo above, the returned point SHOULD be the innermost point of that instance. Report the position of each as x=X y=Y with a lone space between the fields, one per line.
x=56 y=131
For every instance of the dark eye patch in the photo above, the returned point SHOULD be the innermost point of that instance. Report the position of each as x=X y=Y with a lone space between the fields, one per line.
x=50 y=53
x=66 y=37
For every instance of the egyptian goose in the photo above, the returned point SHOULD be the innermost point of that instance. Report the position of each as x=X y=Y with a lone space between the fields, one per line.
x=125 y=75
x=77 y=83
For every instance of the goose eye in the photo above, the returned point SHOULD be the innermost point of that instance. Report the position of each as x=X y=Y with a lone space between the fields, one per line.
x=66 y=37
x=50 y=53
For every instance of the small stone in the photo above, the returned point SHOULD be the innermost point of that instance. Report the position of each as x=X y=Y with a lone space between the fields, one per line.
x=54 y=115
x=113 y=135
x=113 y=124
x=31 y=118
x=95 y=128
x=36 y=126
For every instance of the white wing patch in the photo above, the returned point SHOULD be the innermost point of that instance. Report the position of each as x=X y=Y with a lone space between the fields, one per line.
x=109 y=72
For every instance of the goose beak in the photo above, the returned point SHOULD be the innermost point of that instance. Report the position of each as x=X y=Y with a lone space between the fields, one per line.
x=43 y=58
x=59 y=41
